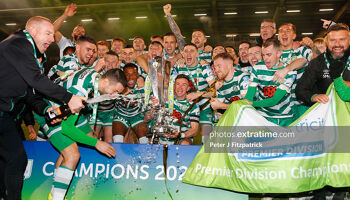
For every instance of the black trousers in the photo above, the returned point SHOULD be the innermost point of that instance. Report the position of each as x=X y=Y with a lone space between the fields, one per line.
x=13 y=158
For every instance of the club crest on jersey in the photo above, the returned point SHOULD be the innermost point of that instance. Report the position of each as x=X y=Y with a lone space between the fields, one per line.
x=235 y=88
x=326 y=74
x=177 y=115
x=269 y=91
x=192 y=86
x=235 y=98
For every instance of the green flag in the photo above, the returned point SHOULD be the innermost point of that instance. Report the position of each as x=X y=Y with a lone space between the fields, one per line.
x=317 y=155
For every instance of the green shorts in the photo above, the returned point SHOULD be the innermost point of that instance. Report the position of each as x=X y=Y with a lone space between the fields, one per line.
x=299 y=110
x=103 y=118
x=129 y=121
x=206 y=116
x=55 y=135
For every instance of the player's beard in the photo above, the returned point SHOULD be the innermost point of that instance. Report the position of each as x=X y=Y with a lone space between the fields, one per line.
x=338 y=56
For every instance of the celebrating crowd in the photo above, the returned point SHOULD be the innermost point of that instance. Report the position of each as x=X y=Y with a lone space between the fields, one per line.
x=280 y=77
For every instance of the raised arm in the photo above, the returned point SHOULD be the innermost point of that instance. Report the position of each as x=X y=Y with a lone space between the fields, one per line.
x=68 y=12
x=173 y=26
x=142 y=61
x=294 y=65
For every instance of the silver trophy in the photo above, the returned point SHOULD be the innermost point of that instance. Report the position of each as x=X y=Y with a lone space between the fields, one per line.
x=159 y=70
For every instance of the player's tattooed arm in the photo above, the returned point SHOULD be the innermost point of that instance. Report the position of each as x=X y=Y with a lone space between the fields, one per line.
x=174 y=27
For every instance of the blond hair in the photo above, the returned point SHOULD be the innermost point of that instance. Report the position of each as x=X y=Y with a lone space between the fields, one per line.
x=33 y=21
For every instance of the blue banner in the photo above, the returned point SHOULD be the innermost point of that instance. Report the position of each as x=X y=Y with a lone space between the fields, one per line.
x=137 y=172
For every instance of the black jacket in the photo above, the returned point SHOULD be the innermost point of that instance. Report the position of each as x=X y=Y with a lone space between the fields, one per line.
x=241 y=64
x=22 y=111
x=259 y=41
x=19 y=73
x=315 y=80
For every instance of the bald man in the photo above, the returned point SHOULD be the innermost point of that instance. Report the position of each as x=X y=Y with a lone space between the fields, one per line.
x=21 y=76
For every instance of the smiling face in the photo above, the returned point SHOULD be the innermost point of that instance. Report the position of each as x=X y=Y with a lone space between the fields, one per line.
x=93 y=58
x=131 y=74
x=78 y=31
x=111 y=62
x=199 y=39
x=85 y=52
x=286 y=36
x=155 y=50
x=271 y=55
x=243 y=52
x=181 y=88
x=170 y=45
x=190 y=54
x=128 y=55
x=337 y=43
x=139 y=44
x=117 y=46
x=254 y=55
x=102 y=50
x=267 y=30
x=42 y=34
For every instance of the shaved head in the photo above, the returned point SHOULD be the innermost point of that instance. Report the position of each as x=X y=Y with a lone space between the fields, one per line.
x=35 y=21
x=42 y=32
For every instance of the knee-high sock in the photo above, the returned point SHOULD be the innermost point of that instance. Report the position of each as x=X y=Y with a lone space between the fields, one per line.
x=143 y=140
x=62 y=178
x=118 y=139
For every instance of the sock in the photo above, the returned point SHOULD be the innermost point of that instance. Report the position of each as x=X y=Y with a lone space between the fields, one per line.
x=143 y=140
x=203 y=139
x=118 y=139
x=40 y=139
x=62 y=178
x=54 y=177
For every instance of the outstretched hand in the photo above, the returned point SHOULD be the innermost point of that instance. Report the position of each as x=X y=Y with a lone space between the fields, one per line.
x=70 y=10
x=326 y=23
x=105 y=148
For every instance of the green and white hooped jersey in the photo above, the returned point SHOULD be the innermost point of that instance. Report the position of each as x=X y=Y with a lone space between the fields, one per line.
x=180 y=107
x=106 y=106
x=141 y=72
x=129 y=108
x=234 y=89
x=67 y=62
x=247 y=70
x=166 y=56
x=262 y=78
x=199 y=76
x=204 y=56
x=81 y=82
x=290 y=55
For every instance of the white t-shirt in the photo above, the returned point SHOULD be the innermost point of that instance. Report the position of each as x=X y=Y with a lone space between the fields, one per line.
x=64 y=43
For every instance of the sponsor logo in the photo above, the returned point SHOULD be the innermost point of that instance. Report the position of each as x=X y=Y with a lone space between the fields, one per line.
x=325 y=74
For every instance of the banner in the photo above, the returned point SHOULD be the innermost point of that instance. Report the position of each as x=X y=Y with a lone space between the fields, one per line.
x=137 y=172
x=247 y=153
